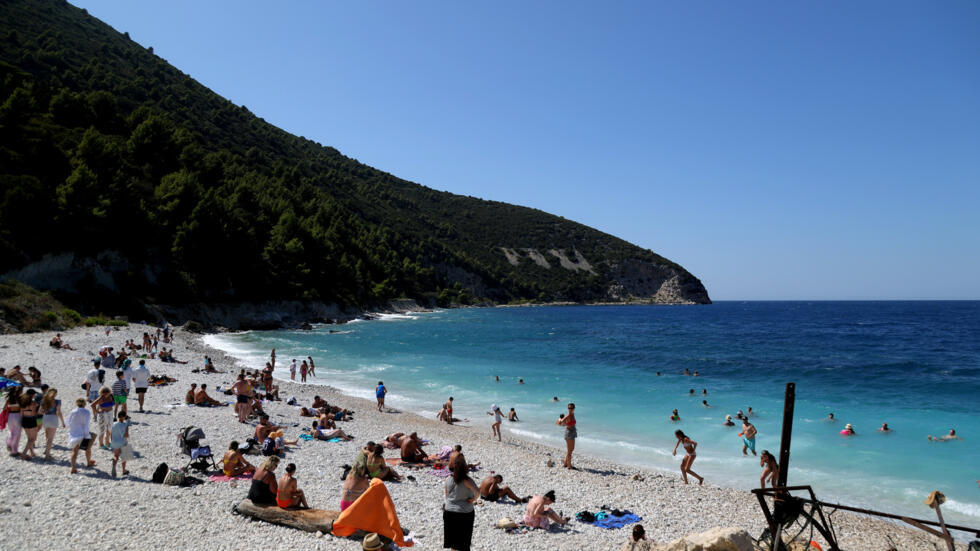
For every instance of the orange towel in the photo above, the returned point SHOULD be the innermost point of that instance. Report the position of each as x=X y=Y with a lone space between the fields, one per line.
x=372 y=512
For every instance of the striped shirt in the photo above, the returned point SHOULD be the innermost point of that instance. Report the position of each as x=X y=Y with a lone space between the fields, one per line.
x=120 y=387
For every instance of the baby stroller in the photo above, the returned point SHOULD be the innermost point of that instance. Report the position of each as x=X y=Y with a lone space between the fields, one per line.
x=191 y=440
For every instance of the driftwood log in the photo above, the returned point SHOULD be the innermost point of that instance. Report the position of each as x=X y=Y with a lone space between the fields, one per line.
x=308 y=520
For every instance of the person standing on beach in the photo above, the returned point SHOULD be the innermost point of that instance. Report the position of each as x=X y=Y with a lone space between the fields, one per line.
x=748 y=436
x=497 y=419
x=571 y=433
x=93 y=380
x=302 y=371
x=120 y=389
x=449 y=410
x=120 y=439
x=13 y=420
x=272 y=358
x=770 y=469
x=78 y=434
x=312 y=367
x=460 y=493
x=141 y=381
x=51 y=411
x=690 y=449
x=243 y=396
x=379 y=393
x=102 y=408
x=292 y=370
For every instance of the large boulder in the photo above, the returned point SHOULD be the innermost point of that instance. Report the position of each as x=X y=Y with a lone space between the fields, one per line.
x=716 y=539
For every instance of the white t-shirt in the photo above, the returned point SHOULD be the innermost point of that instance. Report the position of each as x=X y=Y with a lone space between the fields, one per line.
x=93 y=379
x=292 y=367
x=140 y=376
x=78 y=421
x=497 y=417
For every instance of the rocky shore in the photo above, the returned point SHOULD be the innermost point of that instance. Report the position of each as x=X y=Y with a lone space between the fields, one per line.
x=41 y=503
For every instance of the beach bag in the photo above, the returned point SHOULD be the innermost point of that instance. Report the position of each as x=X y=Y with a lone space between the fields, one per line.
x=174 y=478
x=161 y=472
x=4 y=415
x=506 y=523
x=585 y=516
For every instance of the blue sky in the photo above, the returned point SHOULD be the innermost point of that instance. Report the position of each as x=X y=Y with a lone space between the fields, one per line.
x=823 y=150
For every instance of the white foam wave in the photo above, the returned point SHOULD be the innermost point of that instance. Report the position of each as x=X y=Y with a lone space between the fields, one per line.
x=971 y=509
x=395 y=317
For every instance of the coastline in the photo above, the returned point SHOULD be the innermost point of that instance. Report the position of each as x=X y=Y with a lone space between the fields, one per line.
x=59 y=501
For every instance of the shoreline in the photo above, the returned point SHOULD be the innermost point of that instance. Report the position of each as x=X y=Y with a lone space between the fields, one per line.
x=44 y=491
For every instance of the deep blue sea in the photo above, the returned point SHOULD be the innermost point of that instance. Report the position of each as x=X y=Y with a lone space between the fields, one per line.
x=914 y=365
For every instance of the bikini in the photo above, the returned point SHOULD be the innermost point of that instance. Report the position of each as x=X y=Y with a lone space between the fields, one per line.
x=284 y=503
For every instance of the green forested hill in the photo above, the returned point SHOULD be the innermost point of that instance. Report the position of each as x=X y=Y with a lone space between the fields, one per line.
x=140 y=182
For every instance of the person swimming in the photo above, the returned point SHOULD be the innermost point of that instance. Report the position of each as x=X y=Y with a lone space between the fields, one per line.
x=674 y=416
x=945 y=438
x=848 y=430
x=705 y=403
x=554 y=399
x=884 y=428
x=728 y=421
x=831 y=417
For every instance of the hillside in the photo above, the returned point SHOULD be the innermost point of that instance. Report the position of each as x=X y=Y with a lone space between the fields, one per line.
x=120 y=176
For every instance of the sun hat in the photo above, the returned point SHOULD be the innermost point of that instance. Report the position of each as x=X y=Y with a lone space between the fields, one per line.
x=371 y=542
x=728 y=418
x=848 y=426
x=494 y=407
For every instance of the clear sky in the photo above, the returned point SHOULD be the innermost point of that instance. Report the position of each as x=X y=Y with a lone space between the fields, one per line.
x=778 y=150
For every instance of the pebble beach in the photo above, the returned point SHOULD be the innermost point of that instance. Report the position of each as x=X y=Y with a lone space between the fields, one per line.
x=42 y=503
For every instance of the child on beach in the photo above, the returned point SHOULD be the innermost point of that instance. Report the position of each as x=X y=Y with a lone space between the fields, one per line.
x=497 y=420
x=79 y=436
x=120 y=440
x=379 y=393
x=120 y=389
x=690 y=447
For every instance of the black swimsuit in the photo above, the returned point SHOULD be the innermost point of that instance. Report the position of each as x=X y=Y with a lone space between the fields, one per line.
x=260 y=492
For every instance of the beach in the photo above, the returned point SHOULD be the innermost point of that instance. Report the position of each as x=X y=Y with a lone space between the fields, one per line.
x=90 y=509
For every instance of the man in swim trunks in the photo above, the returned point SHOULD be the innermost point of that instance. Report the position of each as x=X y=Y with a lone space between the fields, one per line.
x=243 y=393
x=263 y=429
x=748 y=436
x=449 y=410
x=491 y=489
x=201 y=398
x=411 y=448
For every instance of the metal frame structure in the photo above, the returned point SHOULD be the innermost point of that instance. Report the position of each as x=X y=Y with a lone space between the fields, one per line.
x=787 y=507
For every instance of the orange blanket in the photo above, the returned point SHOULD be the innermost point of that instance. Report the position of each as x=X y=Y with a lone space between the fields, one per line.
x=372 y=512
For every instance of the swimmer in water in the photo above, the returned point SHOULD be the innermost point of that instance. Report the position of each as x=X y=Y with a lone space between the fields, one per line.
x=848 y=430
x=687 y=371
x=675 y=416
x=658 y=374
x=704 y=392
x=705 y=403
x=555 y=399
x=691 y=392
x=749 y=412
x=831 y=417
x=696 y=374
x=884 y=428
x=497 y=378
x=512 y=416
x=728 y=421
x=945 y=438
x=520 y=381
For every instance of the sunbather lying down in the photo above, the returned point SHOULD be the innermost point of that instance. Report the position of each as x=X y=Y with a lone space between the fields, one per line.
x=327 y=434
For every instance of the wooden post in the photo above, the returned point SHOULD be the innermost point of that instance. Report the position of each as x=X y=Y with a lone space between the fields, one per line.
x=787 y=435
x=942 y=524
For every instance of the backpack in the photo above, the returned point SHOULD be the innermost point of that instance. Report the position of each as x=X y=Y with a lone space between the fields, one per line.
x=160 y=474
x=269 y=447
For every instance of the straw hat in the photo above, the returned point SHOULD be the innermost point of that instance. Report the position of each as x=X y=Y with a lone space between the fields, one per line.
x=728 y=418
x=371 y=542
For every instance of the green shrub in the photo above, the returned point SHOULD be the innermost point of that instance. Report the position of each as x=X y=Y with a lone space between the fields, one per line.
x=50 y=317
x=71 y=315
x=117 y=323
x=94 y=321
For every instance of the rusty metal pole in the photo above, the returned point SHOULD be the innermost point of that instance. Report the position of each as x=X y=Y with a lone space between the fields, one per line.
x=784 y=443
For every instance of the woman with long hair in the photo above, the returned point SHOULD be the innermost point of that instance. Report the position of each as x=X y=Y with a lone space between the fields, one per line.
x=460 y=494
x=13 y=420
x=690 y=447
x=51 y=408
x=28 y=420
x=770 y=468
x=571 y=433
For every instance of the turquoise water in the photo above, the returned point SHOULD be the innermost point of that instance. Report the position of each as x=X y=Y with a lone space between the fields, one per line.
x=915 y=365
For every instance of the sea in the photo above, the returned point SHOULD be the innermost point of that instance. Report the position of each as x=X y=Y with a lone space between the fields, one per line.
x=913 y=365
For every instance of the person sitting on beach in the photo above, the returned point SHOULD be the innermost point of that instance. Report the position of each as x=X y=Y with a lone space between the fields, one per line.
x=539 y=514
x=728 y=421
x=748 y=436
x=255 y=406
x=264 y=488
x=15 y=374
x=411 y=448
x=202 y=399
x=56 y=342
x=326 y=420
x=35 y=374
x=320 y=434
x=512 y=416
x=319 y=403
x=209 y=365
x=264 y=428
x=945 y=438
x=884 y=428
x=358 y=479
x=674 y=416
x=770 y=469
x=233 y=463
x=848 y=430
x=289 y=495
x=377 y=467
x=281 y=442
x=492 y=489
x=189 y=397
x=458 y=452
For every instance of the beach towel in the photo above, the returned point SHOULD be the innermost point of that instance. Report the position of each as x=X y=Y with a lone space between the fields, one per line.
x=372 y=512
x=612 y=521
x=223 y=478
x=305 y=436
